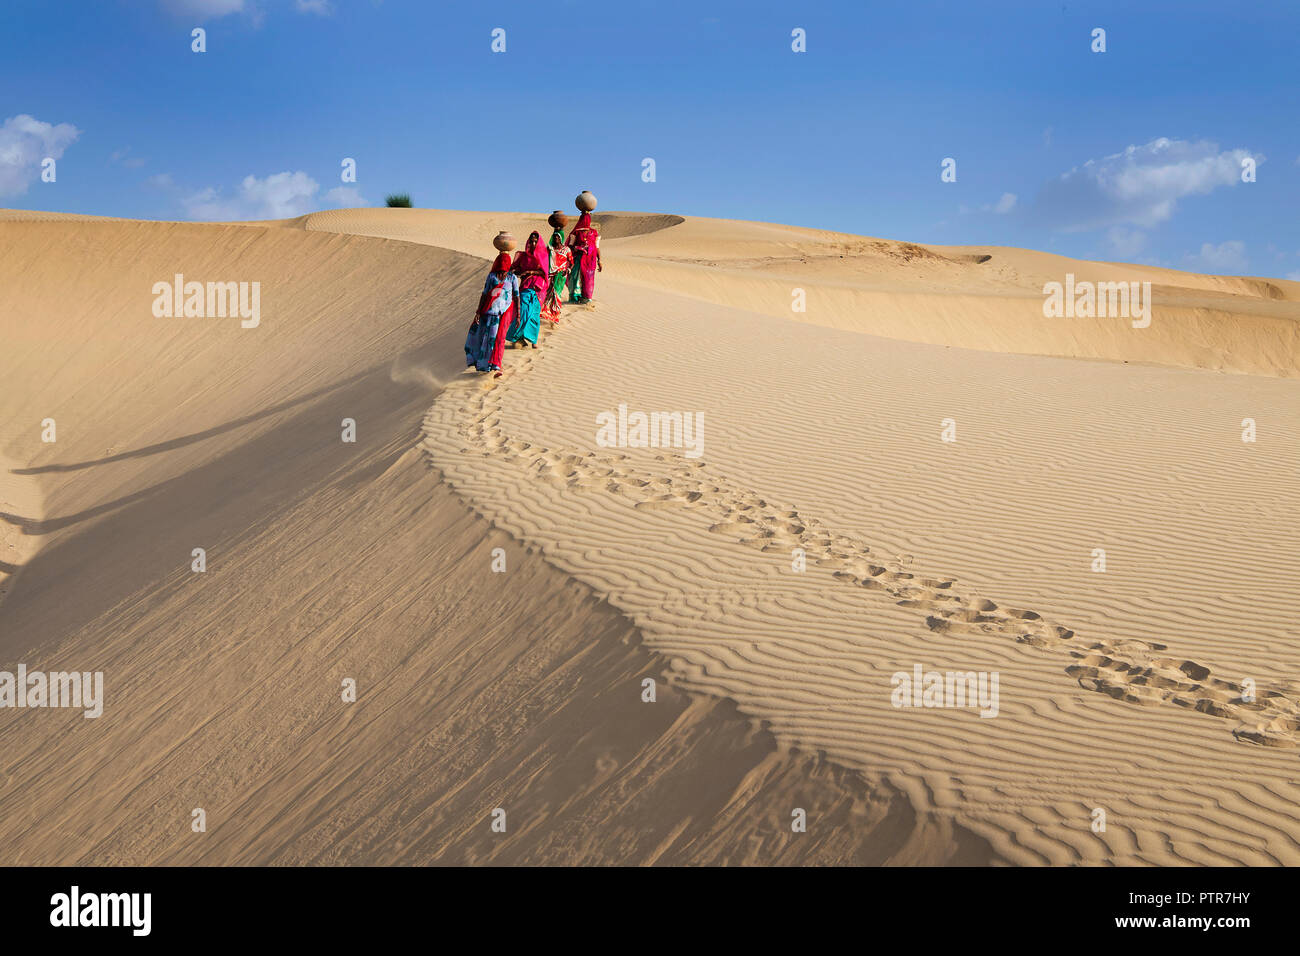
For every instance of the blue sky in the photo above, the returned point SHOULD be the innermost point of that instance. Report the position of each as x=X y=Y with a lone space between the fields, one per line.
x=1133 y=154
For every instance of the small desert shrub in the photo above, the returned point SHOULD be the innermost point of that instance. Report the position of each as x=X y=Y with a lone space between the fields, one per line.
x=402 y=200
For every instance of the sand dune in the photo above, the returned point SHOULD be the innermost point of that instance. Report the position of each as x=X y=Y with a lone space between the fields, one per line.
x=328 y=560
x=1120 y=690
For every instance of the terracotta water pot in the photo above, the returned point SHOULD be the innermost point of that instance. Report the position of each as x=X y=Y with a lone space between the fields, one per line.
x=504 y=242
x=585 y=202
x=558 y=220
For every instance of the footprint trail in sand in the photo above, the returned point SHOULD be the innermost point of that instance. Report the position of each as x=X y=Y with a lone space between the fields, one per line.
x=1123 y=669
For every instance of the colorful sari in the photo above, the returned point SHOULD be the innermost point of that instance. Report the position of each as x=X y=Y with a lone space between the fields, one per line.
x=561 y=263
x=585 y=243
x=531 y=267
x=486 y=342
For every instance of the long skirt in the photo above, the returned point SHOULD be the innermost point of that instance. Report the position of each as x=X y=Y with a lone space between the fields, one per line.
x=481 y=341
x=582 y=278
x=499 y=347
x=485 y=346
x=527 y=324
x=551 y=307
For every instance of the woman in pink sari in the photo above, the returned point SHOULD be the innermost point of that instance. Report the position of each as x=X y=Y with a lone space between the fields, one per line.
x=585 y=243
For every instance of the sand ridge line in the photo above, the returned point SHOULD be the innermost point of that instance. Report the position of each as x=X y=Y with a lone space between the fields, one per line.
x=1125 y=669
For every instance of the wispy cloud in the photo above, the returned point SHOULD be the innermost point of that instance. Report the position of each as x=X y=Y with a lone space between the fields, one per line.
x=1126 y=243
x=204 y=9
x=215 y=9
x=1226 y=257
x=24 y=142
x=130 y=162
x=1140 y=186
x=1005 y=204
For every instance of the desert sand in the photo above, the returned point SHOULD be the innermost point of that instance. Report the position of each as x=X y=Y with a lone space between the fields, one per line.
x=1120 y=691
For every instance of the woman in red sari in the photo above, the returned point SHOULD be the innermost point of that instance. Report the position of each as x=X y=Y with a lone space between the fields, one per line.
x=585 y=243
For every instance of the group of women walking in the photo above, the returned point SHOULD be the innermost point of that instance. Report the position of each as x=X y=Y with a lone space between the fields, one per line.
x=518 y=294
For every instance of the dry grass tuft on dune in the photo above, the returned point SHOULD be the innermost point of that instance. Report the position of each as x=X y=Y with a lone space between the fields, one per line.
x=918 y=471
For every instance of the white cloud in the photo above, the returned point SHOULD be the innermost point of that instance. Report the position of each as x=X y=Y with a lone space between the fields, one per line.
x=24 y=142
x=1140 y=186
x=161 y=181
x=1294 y=276
x=345 y=197
x=278 y=196
x=1226 y=257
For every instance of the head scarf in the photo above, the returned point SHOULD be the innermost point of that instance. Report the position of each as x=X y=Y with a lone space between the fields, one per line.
x=502 y=263
x=529 y=259
x=584 y=235
x=557 y=237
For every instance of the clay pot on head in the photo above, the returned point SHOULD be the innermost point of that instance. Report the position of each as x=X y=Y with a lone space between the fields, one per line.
x=558 y=220
x=504 y=242
x=585 y=202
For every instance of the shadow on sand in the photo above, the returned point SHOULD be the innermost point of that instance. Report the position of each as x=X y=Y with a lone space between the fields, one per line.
x=144 y=540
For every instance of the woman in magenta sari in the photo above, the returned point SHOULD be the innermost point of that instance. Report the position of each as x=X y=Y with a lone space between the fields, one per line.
x=585 y=243
x=532 y=268
x=485 y=345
